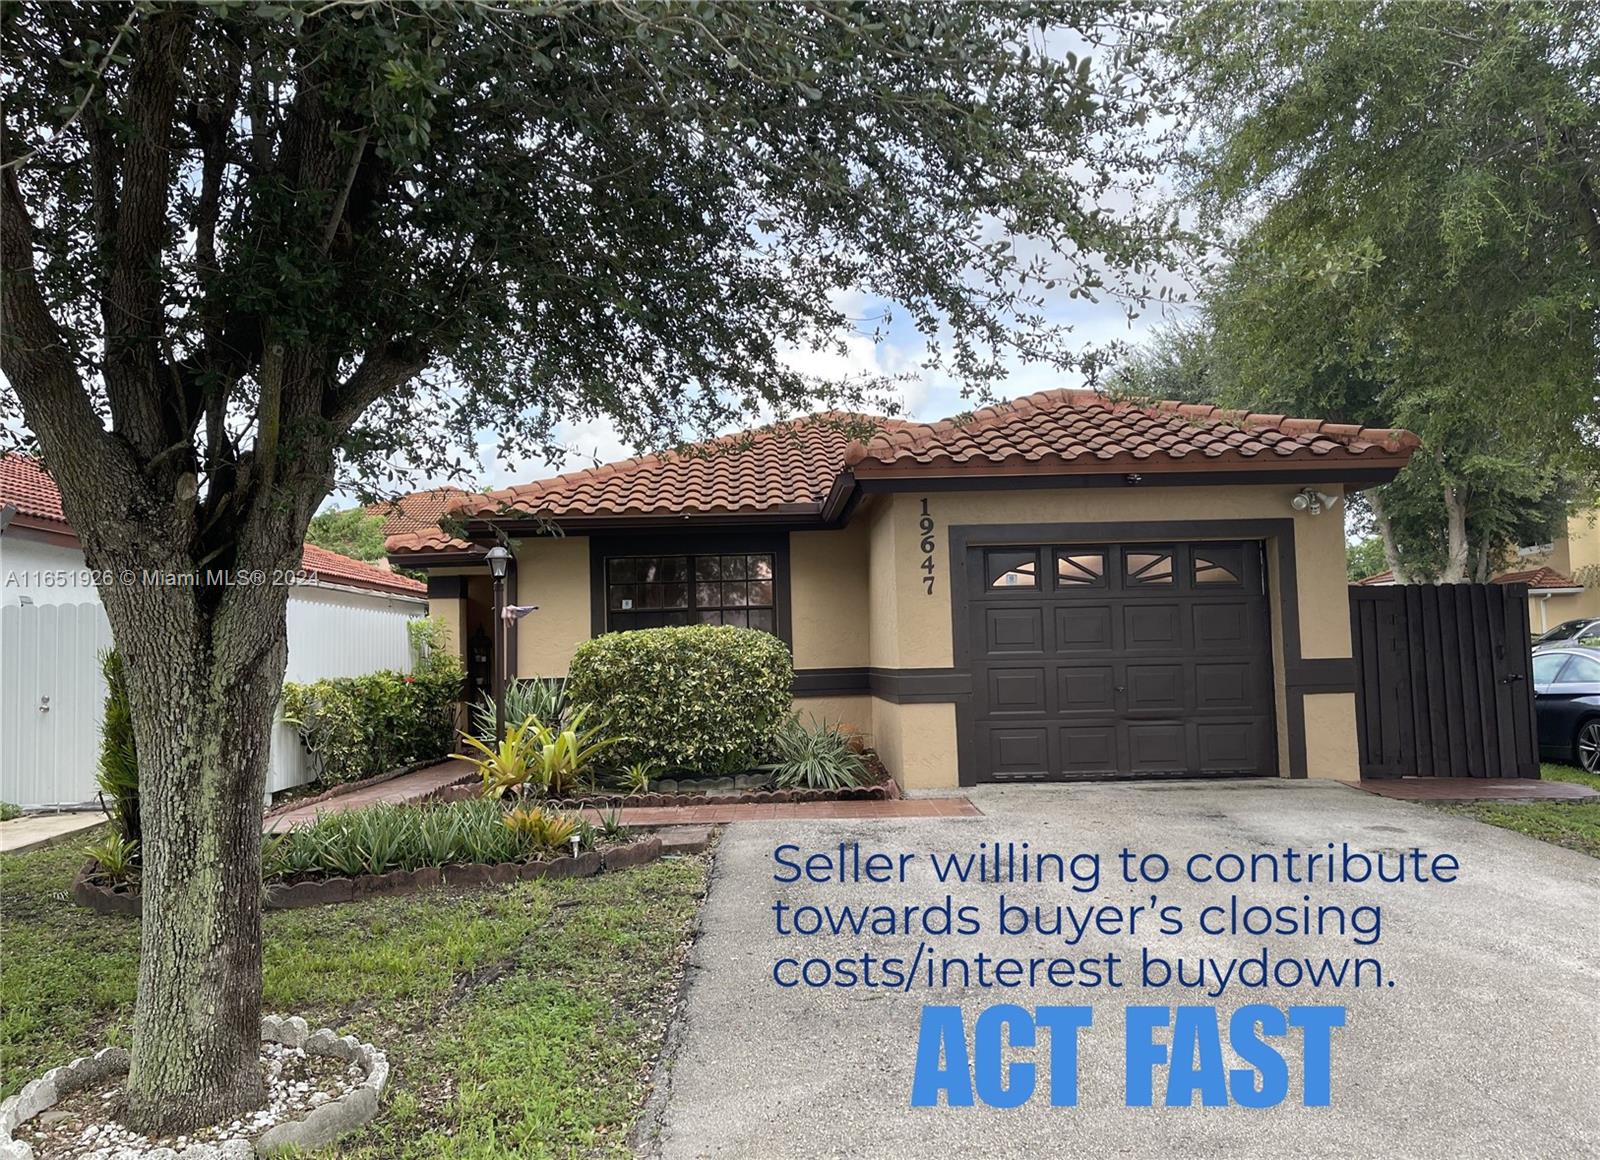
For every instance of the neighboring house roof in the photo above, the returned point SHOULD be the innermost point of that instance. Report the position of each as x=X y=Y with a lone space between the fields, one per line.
x=1083 y=431
x=415 y=512
x=1538 y=579
x=25 y=482
x=801 y=469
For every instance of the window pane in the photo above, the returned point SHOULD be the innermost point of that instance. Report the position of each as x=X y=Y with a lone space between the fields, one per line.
x=622 y=571
x=707 y=568
x=738 y=618
x=762 y=619
x=1075 y=568
x=712 y=617
x=1149 y=567
x=760 y=592
x=674 y=568
x=708 y=595
x=1546 y=666
x=733 y=567
x=1012 y=569
x=674 y=596
x=1218 y=565
x=1581 y=671
x=733 y=595
x=649 y=596
x=622 y=597
x=760 y=567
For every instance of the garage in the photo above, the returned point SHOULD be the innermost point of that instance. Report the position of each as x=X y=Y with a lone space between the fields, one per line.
x=1120 y=660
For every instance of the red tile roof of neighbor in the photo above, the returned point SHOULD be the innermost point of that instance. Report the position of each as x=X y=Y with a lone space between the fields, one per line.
x=792 y=467
x=1537 y=578
x=25 y=482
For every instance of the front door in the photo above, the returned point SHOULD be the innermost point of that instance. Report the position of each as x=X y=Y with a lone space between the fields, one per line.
x=1118 y=660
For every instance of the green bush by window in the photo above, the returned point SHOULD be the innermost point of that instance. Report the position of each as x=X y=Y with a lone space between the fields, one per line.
x=704 y=699
x=355 y=727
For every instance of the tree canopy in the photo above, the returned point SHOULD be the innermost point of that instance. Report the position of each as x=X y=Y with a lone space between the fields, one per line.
x=1406 y=199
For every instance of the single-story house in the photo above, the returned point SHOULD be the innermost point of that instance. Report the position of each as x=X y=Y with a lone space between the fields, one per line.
x=1061 y=586
x=1563 y=577
x=347 y=618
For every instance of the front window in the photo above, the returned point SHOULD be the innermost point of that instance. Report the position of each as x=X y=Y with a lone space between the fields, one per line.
x=722 y=588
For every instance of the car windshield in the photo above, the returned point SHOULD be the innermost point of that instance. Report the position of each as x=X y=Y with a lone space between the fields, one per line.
x=1564 y=631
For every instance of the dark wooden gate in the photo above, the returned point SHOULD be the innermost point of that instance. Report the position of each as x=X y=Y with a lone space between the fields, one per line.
x=1442 y=680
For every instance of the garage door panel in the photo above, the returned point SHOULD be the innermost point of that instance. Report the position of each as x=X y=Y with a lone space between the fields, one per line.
x=1152 y=626
x=1018 y=752
x=1086 y=689
x=1120 y=659
x=1088 y=750
x=1017 y=690
x=1157 y=746
x=1013 y=631
x=1156 y=687
x=1083 y=628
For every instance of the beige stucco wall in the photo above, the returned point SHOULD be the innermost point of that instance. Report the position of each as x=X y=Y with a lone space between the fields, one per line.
x=828 y=597
x=917 y=742
x=1331 y=736
x=452 y=611
x=554 y=574
x=854 y=710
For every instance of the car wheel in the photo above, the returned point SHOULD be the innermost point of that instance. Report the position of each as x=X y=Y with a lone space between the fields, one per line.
x=1588 y=746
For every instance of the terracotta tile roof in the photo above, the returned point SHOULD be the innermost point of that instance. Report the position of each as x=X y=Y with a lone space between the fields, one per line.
x=333 y=568
x=1084 y=431
x=417 y=511
x=785 y=468
x=1532 y=577
x=25 y=482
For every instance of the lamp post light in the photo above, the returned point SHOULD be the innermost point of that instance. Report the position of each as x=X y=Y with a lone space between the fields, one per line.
x=499 y=559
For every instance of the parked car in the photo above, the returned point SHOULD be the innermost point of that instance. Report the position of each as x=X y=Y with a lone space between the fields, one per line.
x=1566 y=692
x=1568 y=632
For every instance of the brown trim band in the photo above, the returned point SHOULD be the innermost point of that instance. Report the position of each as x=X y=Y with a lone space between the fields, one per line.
x=901 y=686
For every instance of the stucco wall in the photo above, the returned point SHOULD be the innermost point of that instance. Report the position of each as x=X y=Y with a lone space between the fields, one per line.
x=917 y=742
x=1331 y=748
x=554 y=574
x=853 y=710
x=828 y=597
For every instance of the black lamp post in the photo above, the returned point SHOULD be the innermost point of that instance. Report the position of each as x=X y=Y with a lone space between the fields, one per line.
x=499 y=560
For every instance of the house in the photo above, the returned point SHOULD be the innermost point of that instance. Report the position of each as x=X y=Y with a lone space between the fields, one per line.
x=1563 y=577
x=1055 y=587
x=419 y=510
x=345 y=619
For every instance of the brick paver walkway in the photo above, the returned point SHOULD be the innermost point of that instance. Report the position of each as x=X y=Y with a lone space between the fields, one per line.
x=408 y=787
x=412 y=787
x=1476 y=789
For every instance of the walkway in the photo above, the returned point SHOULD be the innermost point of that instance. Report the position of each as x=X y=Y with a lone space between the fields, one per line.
x=1477 y=789
x=32 y=831
x=408 y=787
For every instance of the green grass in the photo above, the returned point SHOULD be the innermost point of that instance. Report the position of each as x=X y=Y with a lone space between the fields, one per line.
x=519 y=1022
x=1575 y=825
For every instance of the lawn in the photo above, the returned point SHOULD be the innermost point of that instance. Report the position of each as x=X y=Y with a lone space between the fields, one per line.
x=519 y=1022
x=1575 y=825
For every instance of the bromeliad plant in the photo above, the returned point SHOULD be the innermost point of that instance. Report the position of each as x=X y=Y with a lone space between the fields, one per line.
x=822 y=756
x=506 y=766
x=535 y=757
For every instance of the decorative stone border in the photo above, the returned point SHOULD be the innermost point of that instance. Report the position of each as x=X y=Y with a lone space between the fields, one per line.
x=105 y=899
x=321 y=1126
x=886 y=791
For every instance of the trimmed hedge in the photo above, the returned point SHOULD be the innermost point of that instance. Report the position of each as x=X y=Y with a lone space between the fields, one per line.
x=355 y=727
x=705 y=698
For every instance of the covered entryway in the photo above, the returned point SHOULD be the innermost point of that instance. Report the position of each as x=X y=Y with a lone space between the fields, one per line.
x=1120 y=660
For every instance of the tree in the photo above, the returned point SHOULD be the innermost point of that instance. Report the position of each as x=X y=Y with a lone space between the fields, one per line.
x=246 y=246
x=352 y=532
x=1363 y=557
x=1407 y=197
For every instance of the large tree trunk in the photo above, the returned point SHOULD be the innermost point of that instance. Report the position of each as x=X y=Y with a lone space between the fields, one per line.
x=203 y=682
x=1391 y=549
x=1457 y=549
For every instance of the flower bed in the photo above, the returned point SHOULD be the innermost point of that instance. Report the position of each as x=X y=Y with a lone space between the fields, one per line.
x=121 y=898
x=320 y=1086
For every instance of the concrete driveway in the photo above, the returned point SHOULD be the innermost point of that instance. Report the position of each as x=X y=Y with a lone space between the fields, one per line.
x=1487 y=1044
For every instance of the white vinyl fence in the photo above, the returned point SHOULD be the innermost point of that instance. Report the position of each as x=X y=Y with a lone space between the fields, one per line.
x=52 y=696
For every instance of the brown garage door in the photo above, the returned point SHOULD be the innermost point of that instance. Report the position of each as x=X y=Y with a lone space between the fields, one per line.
x=1104 y=660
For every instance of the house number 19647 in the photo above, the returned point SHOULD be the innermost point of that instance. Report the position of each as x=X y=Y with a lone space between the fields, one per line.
x=925 y=526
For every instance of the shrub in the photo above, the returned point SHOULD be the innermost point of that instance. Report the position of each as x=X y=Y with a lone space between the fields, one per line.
x=705 y=698
x=382 y=838
x=9 y=811
x=355 y=727
x=542 y=698
x=117 y=775
x=822 y=756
